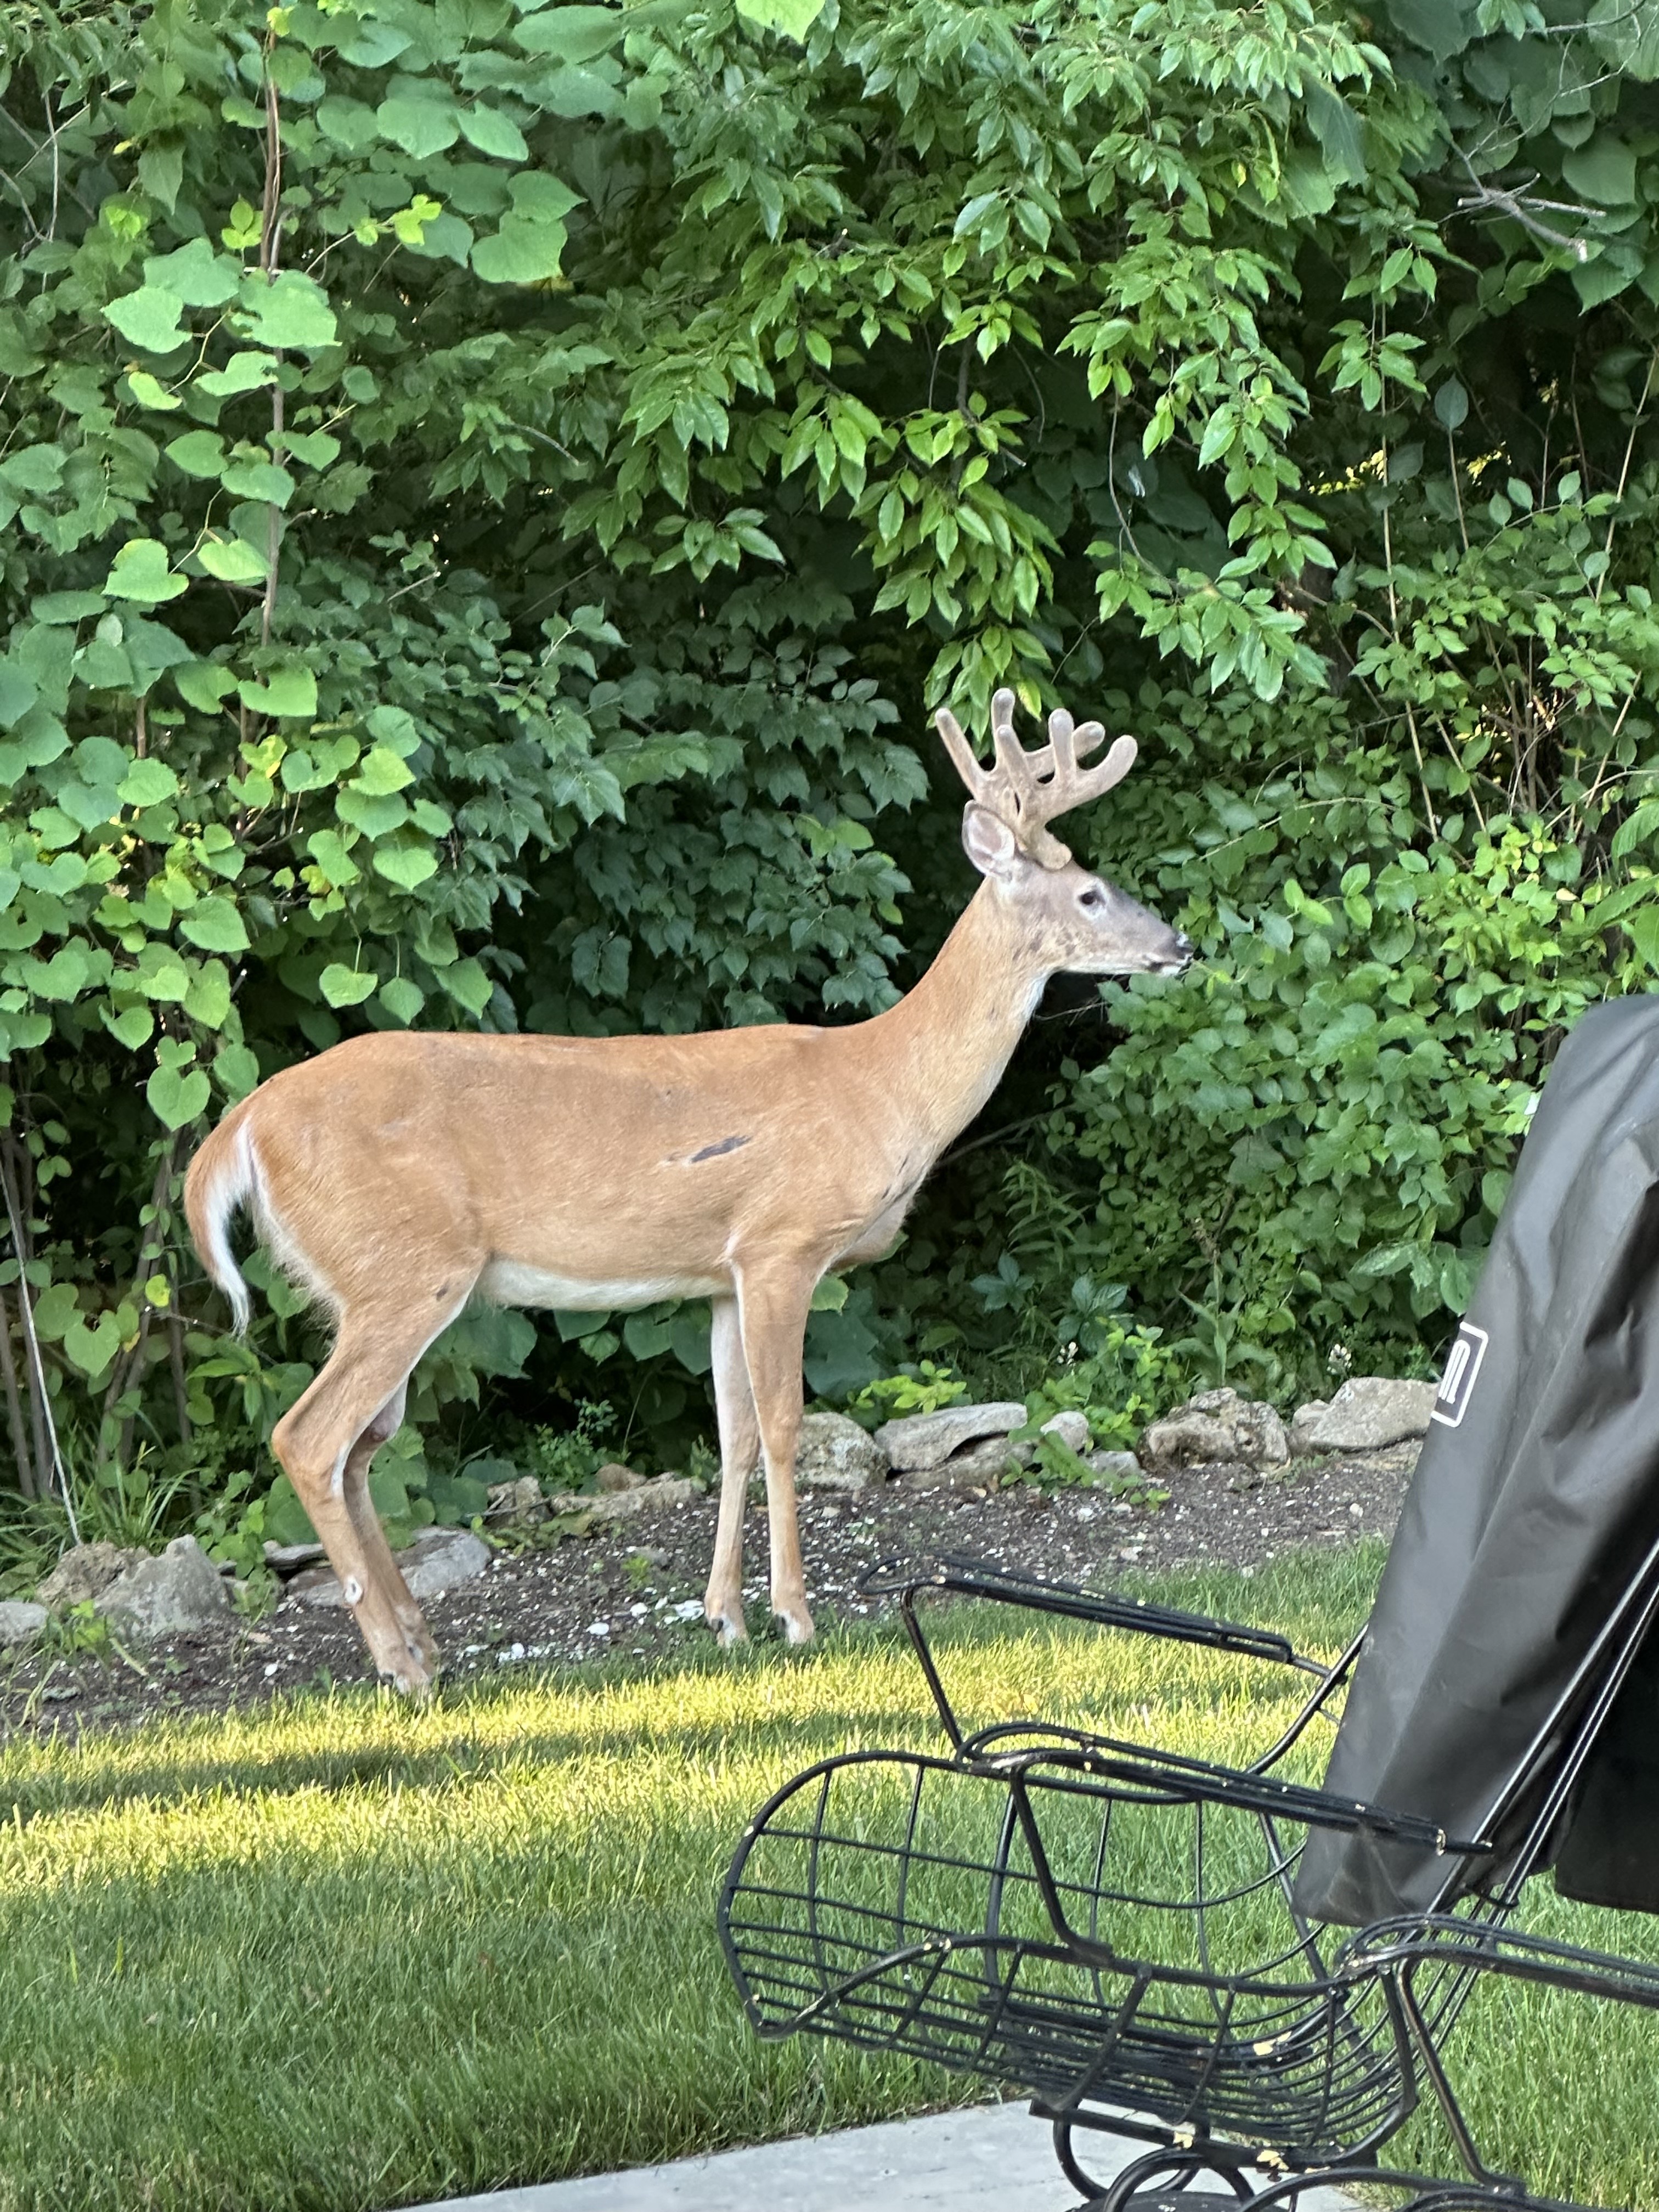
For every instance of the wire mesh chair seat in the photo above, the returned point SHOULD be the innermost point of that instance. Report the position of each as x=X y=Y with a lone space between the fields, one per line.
x=1109 y=1927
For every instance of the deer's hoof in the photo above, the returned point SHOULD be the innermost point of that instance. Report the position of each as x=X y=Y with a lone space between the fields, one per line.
x=417 y=1683
x=796 y=1623
x=727 y=1623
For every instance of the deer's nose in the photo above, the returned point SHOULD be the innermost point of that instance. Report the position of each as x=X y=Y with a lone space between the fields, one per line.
x=1184 y=949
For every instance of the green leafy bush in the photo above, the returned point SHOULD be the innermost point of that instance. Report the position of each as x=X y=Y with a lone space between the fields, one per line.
x=492 y=491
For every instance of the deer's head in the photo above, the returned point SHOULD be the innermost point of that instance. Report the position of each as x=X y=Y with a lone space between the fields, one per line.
x=1077 y=921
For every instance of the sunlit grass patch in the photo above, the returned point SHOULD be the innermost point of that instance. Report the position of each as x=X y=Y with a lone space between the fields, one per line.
x=338 y=1953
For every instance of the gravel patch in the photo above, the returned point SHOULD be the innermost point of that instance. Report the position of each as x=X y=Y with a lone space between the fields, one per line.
x=633 y=1590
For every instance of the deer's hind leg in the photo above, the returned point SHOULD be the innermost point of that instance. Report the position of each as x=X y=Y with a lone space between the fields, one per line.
x=324 y=1444
x=366 y=1523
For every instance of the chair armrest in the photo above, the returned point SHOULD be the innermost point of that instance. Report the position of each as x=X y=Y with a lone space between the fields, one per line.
x=955 y=1574
x=970 y=1578
x=1406 y=1945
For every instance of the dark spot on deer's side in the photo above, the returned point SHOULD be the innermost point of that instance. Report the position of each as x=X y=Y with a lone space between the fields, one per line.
x=441 y=1294
x=713 y=1152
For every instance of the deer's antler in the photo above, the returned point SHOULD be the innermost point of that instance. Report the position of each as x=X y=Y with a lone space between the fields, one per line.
x=1030 y=790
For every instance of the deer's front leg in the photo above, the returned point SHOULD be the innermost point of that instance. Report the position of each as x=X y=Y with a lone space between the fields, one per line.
x=772 y=1307
x=734 y=1411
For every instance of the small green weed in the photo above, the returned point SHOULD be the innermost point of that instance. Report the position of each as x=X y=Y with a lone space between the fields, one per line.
x=923 y=1388
x=567 y=1459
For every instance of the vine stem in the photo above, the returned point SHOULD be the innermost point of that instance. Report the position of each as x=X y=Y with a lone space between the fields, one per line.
x=36 y=1363
x=1624 y=469
x=20 y=1441
x=270 y=237
x=1393 y=624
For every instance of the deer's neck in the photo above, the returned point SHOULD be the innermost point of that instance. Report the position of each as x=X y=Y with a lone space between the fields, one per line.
x=943 y=1049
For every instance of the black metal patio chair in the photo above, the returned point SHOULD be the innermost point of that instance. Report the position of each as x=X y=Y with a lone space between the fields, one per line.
x=1111 y=1926
x=1256 y=1976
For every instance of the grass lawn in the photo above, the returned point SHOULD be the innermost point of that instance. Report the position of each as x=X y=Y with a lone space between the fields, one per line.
x=339 y=1954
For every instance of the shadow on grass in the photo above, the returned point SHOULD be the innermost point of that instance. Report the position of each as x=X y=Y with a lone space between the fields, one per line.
x=1316 y=1598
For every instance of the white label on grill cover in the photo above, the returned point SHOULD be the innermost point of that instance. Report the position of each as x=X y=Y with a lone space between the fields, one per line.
x=1457 y=1382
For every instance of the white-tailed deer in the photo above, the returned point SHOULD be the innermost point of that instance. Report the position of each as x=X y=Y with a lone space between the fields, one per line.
x=398 y=1174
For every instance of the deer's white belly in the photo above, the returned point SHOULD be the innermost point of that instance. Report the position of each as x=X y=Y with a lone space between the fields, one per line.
x=513 y=1283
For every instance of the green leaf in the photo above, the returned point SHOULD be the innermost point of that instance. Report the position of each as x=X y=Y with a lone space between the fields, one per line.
x=494 y=133
x=232 y=560
x=215 y=925
x=18 y=694
x=1451 y=405
x=195 y=274
x=91 y=1350
x=148 y=319
x=65 y=976
x=346 y=986
x=66 y=606
x=243 y=372
x=237 y=1070
x=316 y=448
x=148 y=393
x=34 y=469
x=467 y=984
x=1340 y=133
x=261 y=480
x=402 y=1000
x=1603 y=172
x=198 y=452
x=291 y=312
x=524 y=251
x=571 y=34
x=793 y=17
x=1642 y=930
x=349 y=123
x=204 y=684
x=140 y=572
x=177 y=1095
x=147 y=783
x=421 y=127
x=290 y=693
x=407 y=865
x=134 y=1028
x=383 y=772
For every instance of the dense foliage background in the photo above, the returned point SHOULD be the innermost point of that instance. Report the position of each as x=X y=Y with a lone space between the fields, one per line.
x=492 y=492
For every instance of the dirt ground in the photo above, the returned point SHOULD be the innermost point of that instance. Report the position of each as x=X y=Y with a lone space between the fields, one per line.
x=635 y=1588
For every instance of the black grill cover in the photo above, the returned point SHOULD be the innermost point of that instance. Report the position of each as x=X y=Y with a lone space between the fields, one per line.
x=1536 y=1501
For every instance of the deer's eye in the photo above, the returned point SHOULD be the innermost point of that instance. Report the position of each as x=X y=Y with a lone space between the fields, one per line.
x=1092 y=898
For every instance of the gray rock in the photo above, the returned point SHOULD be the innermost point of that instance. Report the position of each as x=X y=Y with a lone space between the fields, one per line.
x=439 y=1559
x=1109 y=1467
x=1215 y=1426
x=1072 y=1428
x=289 y=1559
x=614 y=1476
x=976 y=1468
x=21 y=1620
x=836 y=1453
x=1369 y=1412
x=622 y=1505
x=178 y=1590
x=85 y=1572
x=1304 y=1424
x=430 y=1569
x=924 y=1440
x=519 y=1500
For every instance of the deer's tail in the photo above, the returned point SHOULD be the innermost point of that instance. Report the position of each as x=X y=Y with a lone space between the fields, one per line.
x=222 y=1177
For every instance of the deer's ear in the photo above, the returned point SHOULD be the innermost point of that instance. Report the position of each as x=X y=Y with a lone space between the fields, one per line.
x=989 y=841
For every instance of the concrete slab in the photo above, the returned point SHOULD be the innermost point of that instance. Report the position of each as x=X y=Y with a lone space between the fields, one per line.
x=990 y=2158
